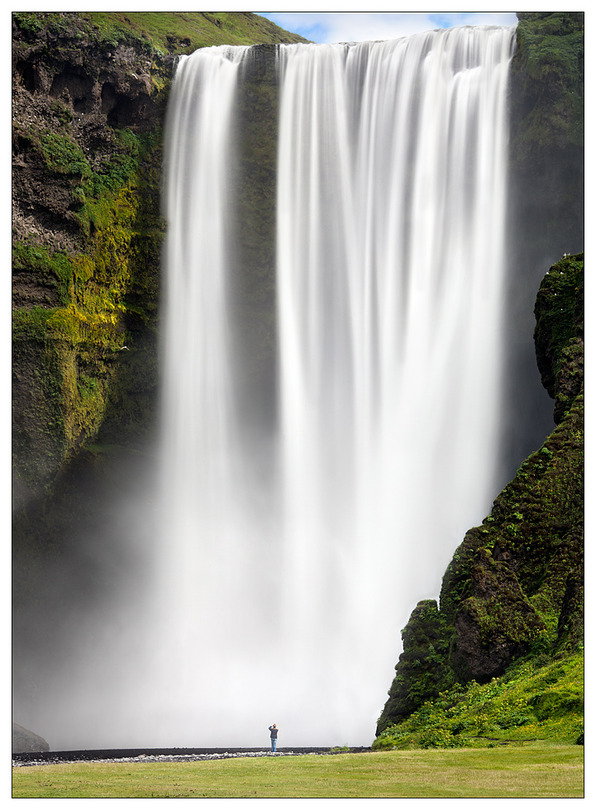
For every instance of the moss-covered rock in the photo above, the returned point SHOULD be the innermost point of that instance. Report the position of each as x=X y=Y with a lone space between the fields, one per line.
x=547 y=125
x=77 y=216
x=536 y=699
x=423 y=670
x=559 y=332
x=81 y=320
x=549 y=62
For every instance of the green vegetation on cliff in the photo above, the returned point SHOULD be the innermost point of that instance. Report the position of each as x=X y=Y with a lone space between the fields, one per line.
x=184 y=32
x=549 y=62
x=104 y=292
x=164 y=32
x=559 y=332
x=536 y=699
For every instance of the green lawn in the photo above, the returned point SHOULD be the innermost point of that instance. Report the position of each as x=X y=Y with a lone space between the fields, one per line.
x=528 y=771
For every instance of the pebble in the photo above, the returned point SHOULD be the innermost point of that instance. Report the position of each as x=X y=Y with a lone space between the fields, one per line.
x=173 y=757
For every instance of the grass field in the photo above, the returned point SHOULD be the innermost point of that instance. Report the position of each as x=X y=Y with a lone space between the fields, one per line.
x=528 y=771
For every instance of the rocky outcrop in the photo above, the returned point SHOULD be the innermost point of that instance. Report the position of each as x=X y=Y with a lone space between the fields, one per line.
x=421 y=672
x=559 y=334
x=27 y=742
x=71 y=92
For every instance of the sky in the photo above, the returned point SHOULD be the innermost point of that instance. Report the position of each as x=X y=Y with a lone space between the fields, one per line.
x=330 y=27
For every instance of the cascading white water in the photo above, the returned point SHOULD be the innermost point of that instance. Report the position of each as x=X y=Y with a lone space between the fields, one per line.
x=390 y=260
x=281 y=600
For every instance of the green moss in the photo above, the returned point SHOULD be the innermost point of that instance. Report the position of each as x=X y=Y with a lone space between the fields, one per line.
x=62 y=113
x=52 y=268
x=496 y=619
x=457 y=582
x=28 y=22
x=63 y=324
x=119 y=216
x=30 y=323
x=531 y=701
x=559 y=331
x=63 y=155
x=423 y=669
x=550 y=58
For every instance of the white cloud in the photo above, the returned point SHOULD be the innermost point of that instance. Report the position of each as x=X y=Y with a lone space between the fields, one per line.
x=358 y=26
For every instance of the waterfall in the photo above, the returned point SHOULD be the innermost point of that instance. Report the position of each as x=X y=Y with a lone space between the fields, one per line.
x=283 y=586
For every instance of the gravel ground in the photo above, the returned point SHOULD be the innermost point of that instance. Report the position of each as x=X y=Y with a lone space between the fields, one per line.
x=50 y=758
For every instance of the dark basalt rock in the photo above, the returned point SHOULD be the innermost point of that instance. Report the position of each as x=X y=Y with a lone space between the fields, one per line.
x=69 y=85
x=420 y=672
x=495 y=624
x=559 y=333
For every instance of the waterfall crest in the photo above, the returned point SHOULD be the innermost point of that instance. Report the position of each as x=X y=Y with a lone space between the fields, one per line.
x=282 y=593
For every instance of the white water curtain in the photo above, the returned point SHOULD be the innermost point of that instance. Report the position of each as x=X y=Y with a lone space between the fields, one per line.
x=390 y=232
x=391 y=199
x=281 y=599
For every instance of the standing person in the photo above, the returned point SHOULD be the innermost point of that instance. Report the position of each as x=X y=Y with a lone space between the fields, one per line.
x=273 y=733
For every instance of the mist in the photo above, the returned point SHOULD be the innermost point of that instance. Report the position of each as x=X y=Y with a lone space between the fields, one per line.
x=256 y=563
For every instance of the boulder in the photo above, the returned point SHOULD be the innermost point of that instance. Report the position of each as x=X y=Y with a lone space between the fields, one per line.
x=26 y=742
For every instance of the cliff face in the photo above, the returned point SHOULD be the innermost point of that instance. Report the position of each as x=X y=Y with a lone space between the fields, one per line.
x=86 y=236
x=547 y=99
